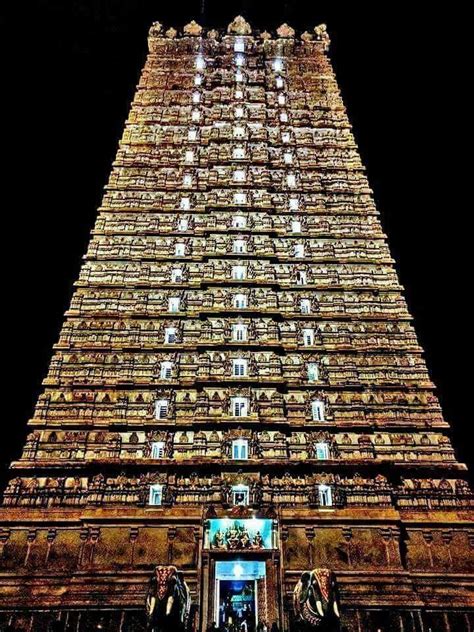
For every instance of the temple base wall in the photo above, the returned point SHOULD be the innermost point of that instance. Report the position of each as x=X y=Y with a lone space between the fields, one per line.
x=406 y=573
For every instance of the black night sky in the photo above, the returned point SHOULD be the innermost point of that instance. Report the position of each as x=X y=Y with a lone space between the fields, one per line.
x=70 y=72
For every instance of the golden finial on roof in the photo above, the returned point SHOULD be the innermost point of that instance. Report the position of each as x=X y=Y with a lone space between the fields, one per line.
x=213 y=34
x=285 y=31
x=239 y=26
x=156 y=28
x=306 y=37
x=171 y=33
x=265 y=35
x=193 y=28
x=322 y=35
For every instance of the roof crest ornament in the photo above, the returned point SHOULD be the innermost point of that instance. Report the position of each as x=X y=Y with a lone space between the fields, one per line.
x=239 y=26
x=322 y=35
x=193 y=28
x=285 y=31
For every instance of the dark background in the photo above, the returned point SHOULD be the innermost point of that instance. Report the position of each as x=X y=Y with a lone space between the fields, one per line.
x=70 y=70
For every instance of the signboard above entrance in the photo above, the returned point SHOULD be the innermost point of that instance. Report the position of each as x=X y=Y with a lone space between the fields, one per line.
x=230 y=534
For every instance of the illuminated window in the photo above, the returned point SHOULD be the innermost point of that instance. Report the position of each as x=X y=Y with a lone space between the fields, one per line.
x=183 y=224
x=156 y=495
x=278 y=65
x=239 y=245
x=239 y=333
x=291 y=180
x=308 y=337
x=187 y=180
x=239 y=367
x=179 y=250
x=238 y=152
x=239 y=77
x=325 y=495
x=176 y=275
x=240 y=301
x=283 y=117
x=279 y=82
x=197 y=80
x=238 y=273
x=239 y=60
x=239 y=221
x=240 y=449
x=285 y=137
x=281 y=99
x=240 y=495
x=170 y=335
x=195 y=115
x=239 y=112
x=322 y=451
x=161 y=409
x=240 y=198
x=239 y=131
x=239 y=94
x=200 y=63
x=192 y=134
x=166 y=370
x=288 y=158
x=185 y=204
x=317 y=410
x=294 y=204
x=158 y=450
x=239 y=175
x=239 y=46
x=239 y=406
x=300 y=277
x=189 y=156
x=196 y=97
x=173 y=304
x=305 y=306
x=313 y=372
x=295 y=226
x=298 y=250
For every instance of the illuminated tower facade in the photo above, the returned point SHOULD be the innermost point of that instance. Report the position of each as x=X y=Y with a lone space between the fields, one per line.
x=237 y=389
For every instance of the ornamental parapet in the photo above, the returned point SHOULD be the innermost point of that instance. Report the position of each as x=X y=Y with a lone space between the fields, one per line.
x=55 y=448
x=263 y=490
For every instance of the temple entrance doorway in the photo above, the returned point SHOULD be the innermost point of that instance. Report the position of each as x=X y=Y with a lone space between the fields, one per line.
x=240 y=594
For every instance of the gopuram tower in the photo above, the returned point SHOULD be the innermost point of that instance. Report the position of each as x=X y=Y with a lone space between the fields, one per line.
x=237 y=390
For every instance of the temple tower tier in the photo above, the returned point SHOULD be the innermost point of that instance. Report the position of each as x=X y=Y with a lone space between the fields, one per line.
x=237 y=402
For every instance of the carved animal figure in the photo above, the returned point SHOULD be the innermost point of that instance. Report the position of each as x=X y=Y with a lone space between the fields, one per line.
x=315 y=600
x=168 y=601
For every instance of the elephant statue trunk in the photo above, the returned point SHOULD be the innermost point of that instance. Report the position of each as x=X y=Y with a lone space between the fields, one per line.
x=315 y=600
x=168 y=601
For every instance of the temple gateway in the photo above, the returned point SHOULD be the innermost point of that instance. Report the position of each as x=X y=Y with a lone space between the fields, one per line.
x=238 y=428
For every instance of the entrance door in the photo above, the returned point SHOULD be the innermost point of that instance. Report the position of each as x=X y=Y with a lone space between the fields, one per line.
x=240 y=597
